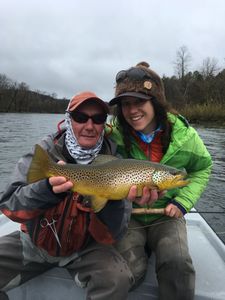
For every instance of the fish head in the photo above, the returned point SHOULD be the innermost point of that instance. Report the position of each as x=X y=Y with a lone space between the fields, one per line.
x=169 y=178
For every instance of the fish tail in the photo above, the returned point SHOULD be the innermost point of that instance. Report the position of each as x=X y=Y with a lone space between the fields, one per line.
x=40 y=165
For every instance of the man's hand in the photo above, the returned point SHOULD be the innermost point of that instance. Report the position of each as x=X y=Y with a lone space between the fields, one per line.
x=173 y=211
x=59 y=183
x=148 y=196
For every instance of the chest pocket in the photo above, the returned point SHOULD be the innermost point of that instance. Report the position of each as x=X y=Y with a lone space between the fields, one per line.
x=63 y=229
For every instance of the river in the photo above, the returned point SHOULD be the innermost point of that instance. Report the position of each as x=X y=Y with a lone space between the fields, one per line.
x=20 y=131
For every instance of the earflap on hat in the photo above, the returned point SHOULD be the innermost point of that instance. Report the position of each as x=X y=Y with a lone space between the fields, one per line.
x=140 y=79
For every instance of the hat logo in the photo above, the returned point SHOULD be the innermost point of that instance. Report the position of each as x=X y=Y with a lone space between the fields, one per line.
x=147 y=85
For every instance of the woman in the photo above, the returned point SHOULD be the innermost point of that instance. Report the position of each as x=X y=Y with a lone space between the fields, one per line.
x=146 y=128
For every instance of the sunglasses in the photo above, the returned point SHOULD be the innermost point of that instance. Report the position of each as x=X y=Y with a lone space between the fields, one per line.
x=133 y=73
x=81 y=117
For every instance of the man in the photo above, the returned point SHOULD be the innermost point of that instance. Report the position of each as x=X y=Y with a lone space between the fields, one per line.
x=58 y=227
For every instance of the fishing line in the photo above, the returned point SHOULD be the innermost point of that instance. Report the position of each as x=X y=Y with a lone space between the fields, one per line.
x=220 y=233
x=206 y=212
x=150 y=225
x=145 y=212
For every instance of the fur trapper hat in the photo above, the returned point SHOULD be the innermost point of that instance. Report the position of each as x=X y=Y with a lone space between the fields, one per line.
x=140 y=82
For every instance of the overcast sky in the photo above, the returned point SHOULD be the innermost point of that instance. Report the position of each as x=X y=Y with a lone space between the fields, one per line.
x=67 y=46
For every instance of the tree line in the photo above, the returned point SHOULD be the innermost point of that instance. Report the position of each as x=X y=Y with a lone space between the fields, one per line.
x=205 y=86
x=17 y=97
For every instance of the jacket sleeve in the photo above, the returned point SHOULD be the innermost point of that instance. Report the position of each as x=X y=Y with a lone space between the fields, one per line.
x=198 y=167
x=22 y=201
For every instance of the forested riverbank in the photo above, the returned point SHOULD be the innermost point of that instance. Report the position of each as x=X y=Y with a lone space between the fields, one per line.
x=198 y=95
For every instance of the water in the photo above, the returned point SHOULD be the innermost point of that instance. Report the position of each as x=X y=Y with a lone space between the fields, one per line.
x=213 y=198
x=19 y=132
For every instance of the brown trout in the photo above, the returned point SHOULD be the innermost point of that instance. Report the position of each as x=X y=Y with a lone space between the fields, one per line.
x=108 y=177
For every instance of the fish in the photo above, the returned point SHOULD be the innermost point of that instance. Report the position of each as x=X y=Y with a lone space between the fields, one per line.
x=108 y=177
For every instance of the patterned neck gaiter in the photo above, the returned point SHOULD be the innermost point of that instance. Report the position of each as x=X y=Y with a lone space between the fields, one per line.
x=81 y=155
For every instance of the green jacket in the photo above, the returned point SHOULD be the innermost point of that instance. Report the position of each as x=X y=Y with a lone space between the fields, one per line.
x=186 y=151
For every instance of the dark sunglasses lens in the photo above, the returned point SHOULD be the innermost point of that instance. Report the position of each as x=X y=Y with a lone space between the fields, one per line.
x=121 y=75
x=136 y=73
x=80 y=117
x=99 y=119
x=133 y=73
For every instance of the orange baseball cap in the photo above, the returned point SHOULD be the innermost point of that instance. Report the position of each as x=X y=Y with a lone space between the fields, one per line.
x=85 y=96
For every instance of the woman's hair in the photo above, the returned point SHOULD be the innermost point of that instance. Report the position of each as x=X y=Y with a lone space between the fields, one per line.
x=160 y=110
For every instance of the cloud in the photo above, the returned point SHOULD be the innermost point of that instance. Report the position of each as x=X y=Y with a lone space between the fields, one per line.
x=67 y=46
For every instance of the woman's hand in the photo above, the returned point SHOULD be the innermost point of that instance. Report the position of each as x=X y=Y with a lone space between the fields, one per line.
x=149 y=196
x=173 y=211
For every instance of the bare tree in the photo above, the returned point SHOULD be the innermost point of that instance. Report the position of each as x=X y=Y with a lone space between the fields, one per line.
x=181 y=64
x=13 y=97
x=209 y=67
x=54 y=95
x=23 y=86
x=5 y=82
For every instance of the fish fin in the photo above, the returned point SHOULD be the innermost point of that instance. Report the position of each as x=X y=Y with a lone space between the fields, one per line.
x=39 y=165
x=98 y=203
x=103 y=158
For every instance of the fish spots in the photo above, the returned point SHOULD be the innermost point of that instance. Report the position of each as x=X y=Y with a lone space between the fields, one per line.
x=160 y=176
x=109 y=180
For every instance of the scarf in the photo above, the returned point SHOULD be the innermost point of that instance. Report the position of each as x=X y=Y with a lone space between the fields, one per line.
x=81 y=155
x=147 y=138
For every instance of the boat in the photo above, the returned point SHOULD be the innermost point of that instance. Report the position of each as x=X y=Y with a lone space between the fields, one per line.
x=207 y=251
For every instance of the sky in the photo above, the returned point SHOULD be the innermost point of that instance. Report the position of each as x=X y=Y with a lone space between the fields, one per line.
x=63 y=47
